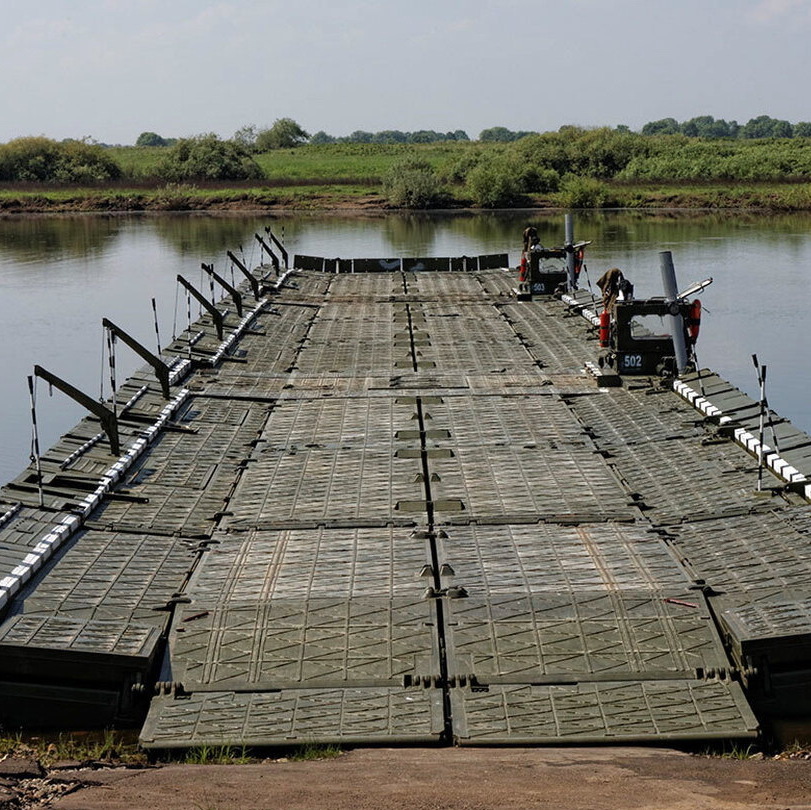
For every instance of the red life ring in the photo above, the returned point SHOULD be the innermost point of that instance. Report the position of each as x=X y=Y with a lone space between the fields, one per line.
x=522 y=275
x=694 y=320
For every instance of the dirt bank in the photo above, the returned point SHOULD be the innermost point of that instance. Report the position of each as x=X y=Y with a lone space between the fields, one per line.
x=437 y=779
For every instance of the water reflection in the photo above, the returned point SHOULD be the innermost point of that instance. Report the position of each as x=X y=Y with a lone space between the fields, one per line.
x=207 y=235
x=60 y=275
x=31 y=239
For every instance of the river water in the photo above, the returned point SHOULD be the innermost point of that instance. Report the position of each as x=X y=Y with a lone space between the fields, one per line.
x=59 y=276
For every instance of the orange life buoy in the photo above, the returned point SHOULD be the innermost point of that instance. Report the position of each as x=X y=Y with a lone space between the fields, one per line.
x=694 y=320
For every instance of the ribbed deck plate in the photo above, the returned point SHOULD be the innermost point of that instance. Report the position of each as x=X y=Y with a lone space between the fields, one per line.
x=646 y=711
x=773 y=624
x=586 y=637
x=122 y=576
x=316 y=643
x=675 y=490
x=293 y=717
x=37 y=637
x=302 y=564
x=747 y=552
x=551 y=558
x=531 y=481
x=324 y=486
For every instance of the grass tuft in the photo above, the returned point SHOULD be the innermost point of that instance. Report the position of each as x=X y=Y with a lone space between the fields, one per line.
x=109 y=746
x=216 y=755
x=312 y=751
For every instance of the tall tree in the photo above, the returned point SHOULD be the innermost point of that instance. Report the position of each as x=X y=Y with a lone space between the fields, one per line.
x=284 y=134
x=766 y=127
x=151 y=139
x=664 y=126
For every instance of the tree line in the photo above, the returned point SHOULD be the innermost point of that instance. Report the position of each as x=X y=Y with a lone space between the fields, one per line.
x=286 y=133
x=705 y=126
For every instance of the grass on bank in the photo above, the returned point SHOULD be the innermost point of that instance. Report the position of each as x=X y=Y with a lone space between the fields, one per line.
x=588 y=194
x=116 y=748
x=108 y=746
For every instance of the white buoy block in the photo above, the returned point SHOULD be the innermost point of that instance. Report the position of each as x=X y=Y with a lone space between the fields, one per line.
x=22 y=573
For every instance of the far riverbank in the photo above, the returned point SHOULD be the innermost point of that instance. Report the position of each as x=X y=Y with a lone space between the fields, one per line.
x=767 y=198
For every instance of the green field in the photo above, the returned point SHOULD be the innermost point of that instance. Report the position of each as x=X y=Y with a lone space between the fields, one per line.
x=356 y=163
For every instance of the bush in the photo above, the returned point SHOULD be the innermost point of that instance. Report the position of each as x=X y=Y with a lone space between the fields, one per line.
x=583 y=192
x=206 y=157
x=457 y=169
x=539 y=181
x=412 y=183
x=42 y=160
x=503 y=181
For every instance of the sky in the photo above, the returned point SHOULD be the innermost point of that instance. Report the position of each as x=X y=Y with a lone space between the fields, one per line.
x=111 y=69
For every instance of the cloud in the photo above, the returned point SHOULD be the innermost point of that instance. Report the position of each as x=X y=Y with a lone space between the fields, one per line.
x=767 y=11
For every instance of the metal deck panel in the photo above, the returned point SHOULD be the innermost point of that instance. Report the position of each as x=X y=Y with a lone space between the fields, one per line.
x=223 y=437
x=551 y=558
x=440 y=285
x=109 y=576
x=311 y=563
x=364 y=285
x=703 y=481
x=295 y=717
x=498 y=482
x=306 y=386
x=95 y=461
x=158 y=510
x=534 y=381
x=31 y=644
x=336 y=423
x=476 y=356
x=748 y=552
x=204 y=461
x=284 y=643
x=498 y=420
x=587 y=636
x=619 y=417
x=767 y=624
x=275 y=339
x=558 y=344
x=26 y=525
x=646 y=711
x=375 y=356
x=324 y=486
x=231 y=382
x=303 y=284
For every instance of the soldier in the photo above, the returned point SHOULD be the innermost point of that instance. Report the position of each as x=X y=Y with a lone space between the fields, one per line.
x=530 y=237
x=614 y=285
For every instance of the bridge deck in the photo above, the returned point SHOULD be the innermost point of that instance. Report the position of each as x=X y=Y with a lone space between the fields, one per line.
x=400 y=511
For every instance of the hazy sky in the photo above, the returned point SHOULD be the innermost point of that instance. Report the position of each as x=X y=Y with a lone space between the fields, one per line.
x=111 y=69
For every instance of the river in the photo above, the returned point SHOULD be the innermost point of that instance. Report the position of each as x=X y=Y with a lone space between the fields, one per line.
x=59 y=276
